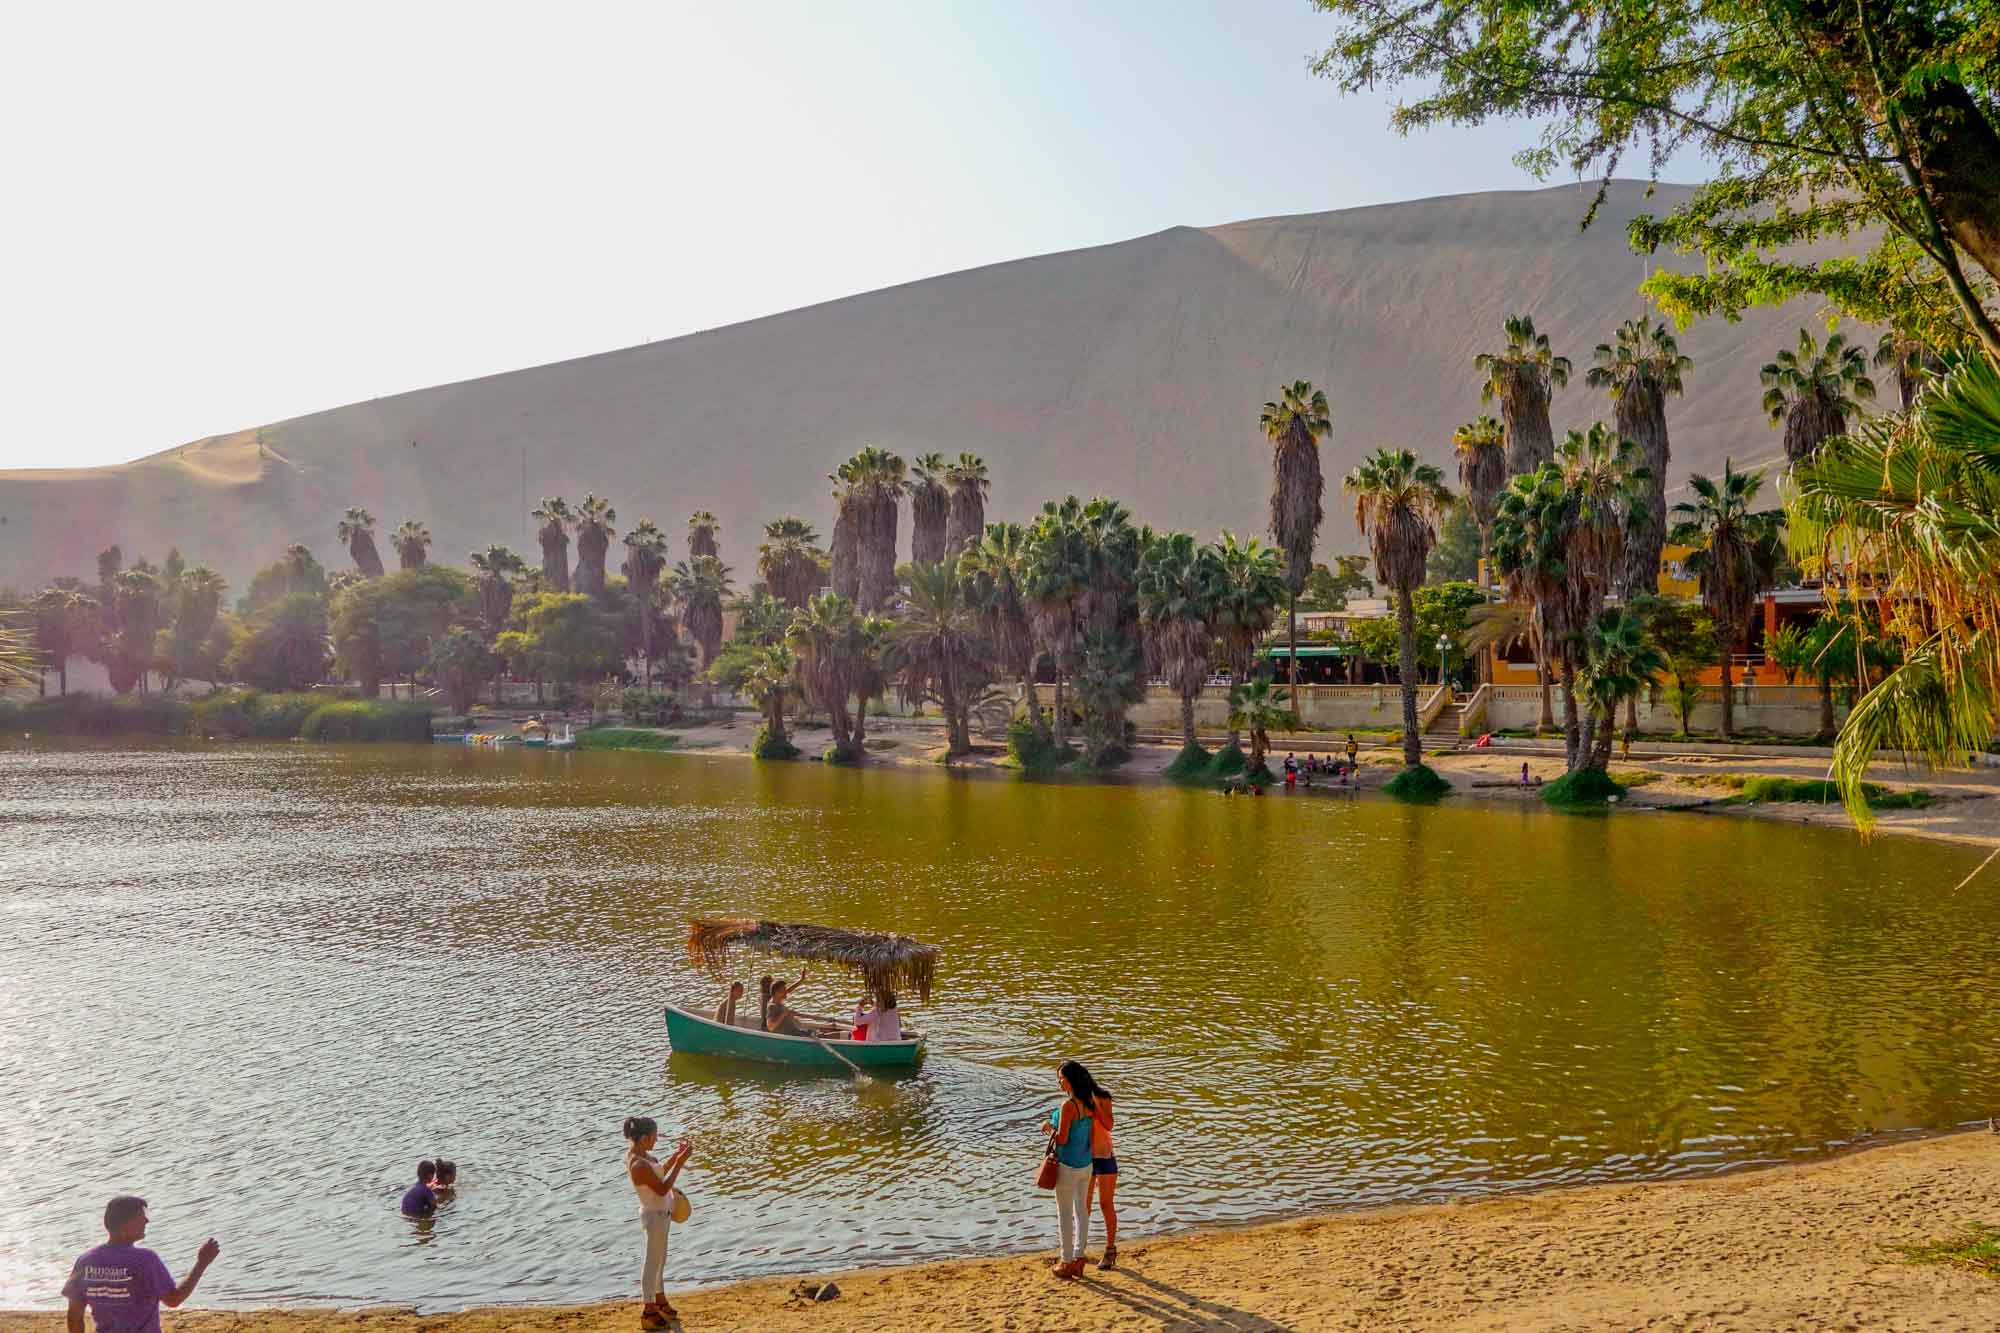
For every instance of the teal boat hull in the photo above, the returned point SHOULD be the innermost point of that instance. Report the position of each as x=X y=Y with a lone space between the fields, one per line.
x=699 y=1034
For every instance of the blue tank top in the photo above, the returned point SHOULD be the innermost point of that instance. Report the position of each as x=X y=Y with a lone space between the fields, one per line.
x=1074 y=1150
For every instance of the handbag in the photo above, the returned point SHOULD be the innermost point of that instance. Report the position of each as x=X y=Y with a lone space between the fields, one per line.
x=1046 y=1177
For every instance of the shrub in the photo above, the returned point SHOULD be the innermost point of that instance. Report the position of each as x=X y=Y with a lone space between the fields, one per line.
x=1190 y=765
x=1586 y=786
x=367 y=720
x=1030 y=751
x=1227 y=762
x=1818 y=791
x=1418 y=783
x=765 y=747
x=97 y=715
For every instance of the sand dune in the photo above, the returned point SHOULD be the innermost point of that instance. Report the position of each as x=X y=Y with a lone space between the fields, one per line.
x=1134 y=369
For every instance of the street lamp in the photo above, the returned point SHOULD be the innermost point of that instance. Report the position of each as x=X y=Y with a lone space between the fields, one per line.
x=1443 y=647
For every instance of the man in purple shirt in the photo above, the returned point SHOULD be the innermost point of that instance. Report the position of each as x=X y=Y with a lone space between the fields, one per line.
x=420 y=1200
x=123 y=1285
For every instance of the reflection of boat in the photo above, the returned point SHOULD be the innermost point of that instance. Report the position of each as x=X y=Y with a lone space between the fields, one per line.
x=887 y=962
x=691 y=1032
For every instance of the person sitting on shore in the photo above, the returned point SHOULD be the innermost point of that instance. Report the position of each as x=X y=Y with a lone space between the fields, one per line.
x=122 y=1285
x=725 y=1012
x=882 y=1023
x=420 y=1200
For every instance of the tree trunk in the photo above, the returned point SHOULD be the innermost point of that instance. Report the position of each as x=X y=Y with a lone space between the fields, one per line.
x=1728 y=704
x=1187 y=719
x=1062 y=711
x=1572 y=728
x=1547 y=721
x=1825 y=707
x=1258 y=742
x=1406 y=653
x=1034 y=698
x=1292 y=677
x=62 y=679
x=860 y=728
x=42 y=683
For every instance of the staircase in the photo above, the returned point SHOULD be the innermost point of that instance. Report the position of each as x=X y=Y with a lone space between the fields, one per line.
x=1445 y=725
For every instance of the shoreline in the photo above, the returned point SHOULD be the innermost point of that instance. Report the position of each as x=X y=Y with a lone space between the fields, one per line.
x=1811 y=1243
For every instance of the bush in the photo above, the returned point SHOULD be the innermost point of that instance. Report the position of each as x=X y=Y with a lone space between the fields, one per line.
x=764 y=747
x=1031 y=752
x=97 y=715
x=367 y=720
x=1586 y=786
x=1418 y=783
x=1818 y=791
x=1227 y=762
x=1190 y=765
x=240 y=714
x=625 y=738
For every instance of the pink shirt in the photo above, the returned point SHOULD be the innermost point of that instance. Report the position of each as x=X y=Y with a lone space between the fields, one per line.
x=882 y=1024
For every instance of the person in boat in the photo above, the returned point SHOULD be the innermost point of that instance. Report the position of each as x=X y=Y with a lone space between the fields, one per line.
x=782 y=1019
x=882 y=1023
x=654 y=1184
x=725 y=1012
x=764 y=984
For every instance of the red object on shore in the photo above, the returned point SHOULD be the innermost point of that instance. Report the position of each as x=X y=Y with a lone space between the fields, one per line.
x=1485 y=741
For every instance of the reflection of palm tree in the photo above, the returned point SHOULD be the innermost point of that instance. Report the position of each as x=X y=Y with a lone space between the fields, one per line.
x=555 y=518
x=356 y=530
x=1294 y=424
x=1813 y=390
x=1734 y=556
x=1398 y=503
x=412 y=541
x=594 y=519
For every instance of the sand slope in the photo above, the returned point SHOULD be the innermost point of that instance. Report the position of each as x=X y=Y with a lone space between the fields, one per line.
x=1134 y=369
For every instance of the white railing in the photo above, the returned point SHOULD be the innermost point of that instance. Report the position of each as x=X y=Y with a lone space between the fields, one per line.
x=1474 y=717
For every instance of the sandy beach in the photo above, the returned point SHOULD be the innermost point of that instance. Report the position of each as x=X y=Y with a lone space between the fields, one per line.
x=1817 y=1245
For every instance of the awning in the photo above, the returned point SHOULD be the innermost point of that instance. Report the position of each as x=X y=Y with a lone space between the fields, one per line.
x=1306 y=650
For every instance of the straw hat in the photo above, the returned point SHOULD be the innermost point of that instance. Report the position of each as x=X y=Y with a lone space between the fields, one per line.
x=680 y=1206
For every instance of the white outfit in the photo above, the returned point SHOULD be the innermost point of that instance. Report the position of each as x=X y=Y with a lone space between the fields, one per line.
x=656 y=1216
x=1073 y=1209
x=882 y=1024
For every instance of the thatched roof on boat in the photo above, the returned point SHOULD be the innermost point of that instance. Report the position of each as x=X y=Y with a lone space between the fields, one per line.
x=889 y=962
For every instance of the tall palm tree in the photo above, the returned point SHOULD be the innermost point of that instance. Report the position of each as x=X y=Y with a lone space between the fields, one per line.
x=412 y=541
x=356 y=531
x=594 y=531
x=1813 y=389
x=21 y=657
x=1913 y=361
x=1111 y=546
x=1180 y=588
x=771 y=682
x=1481 y=447
x=1252 y=589
x=1294 y=424
x=1398 y=504
x=1055 y=582
x=934 y=651
x=1640 y=369
x=1523 y=375
x=645 y=560
x=994 y=572
x=790 y=561
x=495 y=568
x=701 y=587
x=1734 y=556
x=704 y=534
x=850 y=503
x=556 y=520
x=930 y=509
x=137 y=594
x=968 y=482
x=827 y=642
x=64 y=623
x=881 y=475
x=1621 y=662
x=197 y=602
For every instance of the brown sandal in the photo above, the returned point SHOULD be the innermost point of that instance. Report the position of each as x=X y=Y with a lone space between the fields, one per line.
x=1110 y=1259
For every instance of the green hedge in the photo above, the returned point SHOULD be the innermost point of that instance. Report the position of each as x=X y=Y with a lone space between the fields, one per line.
x=367 y=720
x=1586 y=786
x=225 y=715
x=625 y=738
x=1818 y=791
x=96 y=715
x=1418 y=783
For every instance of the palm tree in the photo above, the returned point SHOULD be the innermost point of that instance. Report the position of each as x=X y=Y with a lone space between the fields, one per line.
x=967 y=525
x=1258 y=707
x=556 y=519
x=1398 y=503
x=822 y=642
x=21 y=659
x=356 y=531
x=994 y=572
x=1180 y=588
x=930 y=510
x=1640 y=371
x=495 y=567
x=197 y=601
x=882 y=485
x=1111 y=547
x=412 y=541
x=65 y=621
x=1523 y=376
x=771 y=683
x=1252 y=590
x=1735 y=555
x=1622 y=661
x=1294 y=425
x=844 y=551
x=136 y=594
x=701 y=587
x=462 y=661
x=1053 y=588
x=933 y=650
x=704 y=534
x=1914 y=362
x=1813 y=390
x=790 y=561
x=594 y=518
x=1481 y=446
x=645 y=559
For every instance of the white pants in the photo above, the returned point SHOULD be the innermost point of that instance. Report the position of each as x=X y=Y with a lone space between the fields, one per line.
x=652 y=1276
x=1073 y=1209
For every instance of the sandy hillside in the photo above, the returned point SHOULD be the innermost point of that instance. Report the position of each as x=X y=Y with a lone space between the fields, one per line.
x=1134 y=369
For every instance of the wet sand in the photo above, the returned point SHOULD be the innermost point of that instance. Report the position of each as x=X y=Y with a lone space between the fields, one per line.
x=1807 y=1246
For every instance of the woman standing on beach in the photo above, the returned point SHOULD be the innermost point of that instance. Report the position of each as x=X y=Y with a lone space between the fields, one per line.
x=1069 y=1140
x=655 y=1187
x=1104 y=1175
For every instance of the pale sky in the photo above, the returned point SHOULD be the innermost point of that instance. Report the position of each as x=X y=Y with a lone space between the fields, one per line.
x=223 y=215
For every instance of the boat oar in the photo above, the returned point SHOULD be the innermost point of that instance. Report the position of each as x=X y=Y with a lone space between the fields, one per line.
x=860 y=1078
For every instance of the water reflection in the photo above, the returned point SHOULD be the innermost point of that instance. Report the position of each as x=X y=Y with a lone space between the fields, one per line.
x=215 y=956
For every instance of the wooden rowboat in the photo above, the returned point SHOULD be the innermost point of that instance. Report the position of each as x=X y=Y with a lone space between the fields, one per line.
x=699 y=1034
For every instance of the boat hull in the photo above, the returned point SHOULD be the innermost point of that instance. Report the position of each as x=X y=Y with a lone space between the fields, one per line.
x=697 y=1033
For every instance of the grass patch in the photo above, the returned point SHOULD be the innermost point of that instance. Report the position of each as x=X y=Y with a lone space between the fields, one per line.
x=1976 y=1248
x=626 y=738
x=1634 y=777
x=765 y=746
x=1818 y=791
x=1420 y=783
x=1585 y=787
x=1190 y=765
x=1227 y=762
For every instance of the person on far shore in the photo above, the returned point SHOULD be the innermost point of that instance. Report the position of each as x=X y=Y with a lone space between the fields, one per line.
x=1070 y=1128
x=725 y=1012
x=122 y=1285
x=1524 y=772
x=1353 y=751
x=654 y=1184
x=420 y=1200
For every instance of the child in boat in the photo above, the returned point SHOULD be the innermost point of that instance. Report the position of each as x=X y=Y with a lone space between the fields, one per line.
x=725 y=1012
x=882 y=1023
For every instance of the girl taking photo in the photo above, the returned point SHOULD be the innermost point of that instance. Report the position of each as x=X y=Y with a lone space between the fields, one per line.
x=658 y=1199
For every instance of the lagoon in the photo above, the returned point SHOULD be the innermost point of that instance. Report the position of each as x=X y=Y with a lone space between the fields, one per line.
x=255 y=983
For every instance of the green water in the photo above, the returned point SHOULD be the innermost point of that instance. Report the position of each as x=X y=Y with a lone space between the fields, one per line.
x=219 y=959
